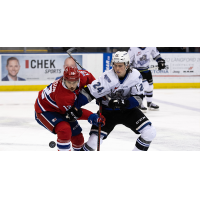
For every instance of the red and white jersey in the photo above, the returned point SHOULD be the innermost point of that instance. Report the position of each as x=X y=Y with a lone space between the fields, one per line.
x=56 y=97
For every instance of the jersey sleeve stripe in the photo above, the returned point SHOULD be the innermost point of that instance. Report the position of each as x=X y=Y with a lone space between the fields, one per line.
x=50 y=100
x=42 y=109
x=157 y=57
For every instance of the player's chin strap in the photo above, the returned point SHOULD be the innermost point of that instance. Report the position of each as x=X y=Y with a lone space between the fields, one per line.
x=99 y=130
x=127 y=67
x=63 y=82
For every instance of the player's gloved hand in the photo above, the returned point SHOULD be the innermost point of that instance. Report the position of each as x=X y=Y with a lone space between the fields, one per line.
x=161 y=64
x=118 y=103
x=73 y=114
x=124 y=104
x=95 y=119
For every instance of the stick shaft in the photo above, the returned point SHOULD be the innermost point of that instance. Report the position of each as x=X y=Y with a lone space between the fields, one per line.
x=99 y=130
x=69 y=53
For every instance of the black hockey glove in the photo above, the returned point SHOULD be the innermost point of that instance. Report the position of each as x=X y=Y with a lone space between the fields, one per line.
x=161 y=64
x=73 y=114
x=118 y=103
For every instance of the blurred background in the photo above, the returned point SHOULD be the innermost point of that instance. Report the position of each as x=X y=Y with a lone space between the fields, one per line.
x=39 y=66
x=90 y=49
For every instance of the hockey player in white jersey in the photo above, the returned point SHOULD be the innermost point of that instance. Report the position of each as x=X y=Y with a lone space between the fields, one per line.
x=122 y=92
x=140 y=60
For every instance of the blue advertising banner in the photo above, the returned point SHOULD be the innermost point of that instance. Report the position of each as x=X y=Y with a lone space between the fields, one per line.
x=33 y=67
x=107 y=58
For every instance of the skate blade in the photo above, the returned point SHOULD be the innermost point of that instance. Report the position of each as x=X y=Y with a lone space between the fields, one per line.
x=144 y=111
x=153 y=109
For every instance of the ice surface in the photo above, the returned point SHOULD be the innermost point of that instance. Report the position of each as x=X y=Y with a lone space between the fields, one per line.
x=177 y=123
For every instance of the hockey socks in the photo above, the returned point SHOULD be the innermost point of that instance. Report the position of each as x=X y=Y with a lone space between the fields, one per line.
x=142 y=144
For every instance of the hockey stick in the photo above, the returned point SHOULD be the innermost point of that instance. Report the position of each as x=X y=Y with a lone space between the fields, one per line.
x=150 y=69
x=99 y=130
x=69 y=51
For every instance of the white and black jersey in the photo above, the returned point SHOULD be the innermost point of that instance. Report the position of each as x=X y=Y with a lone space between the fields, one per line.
x=110 y=86
x=140 y=57
x=130 y=88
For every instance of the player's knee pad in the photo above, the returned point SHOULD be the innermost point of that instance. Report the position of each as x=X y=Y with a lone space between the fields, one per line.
x=148 y=133
x=91 y=144
x=77 y=142
x=63 y=131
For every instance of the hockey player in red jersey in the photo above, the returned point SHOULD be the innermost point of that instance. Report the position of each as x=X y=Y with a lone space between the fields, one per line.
x=57 y=107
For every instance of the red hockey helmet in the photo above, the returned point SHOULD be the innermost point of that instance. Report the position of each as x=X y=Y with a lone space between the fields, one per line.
x=71 y=74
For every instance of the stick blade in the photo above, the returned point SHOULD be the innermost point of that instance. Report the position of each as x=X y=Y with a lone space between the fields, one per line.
x=76 y=49
x=72 y=50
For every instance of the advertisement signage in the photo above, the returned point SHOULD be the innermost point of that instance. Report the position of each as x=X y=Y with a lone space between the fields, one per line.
x=178 y=65
x=33 y=67
x=107 y=57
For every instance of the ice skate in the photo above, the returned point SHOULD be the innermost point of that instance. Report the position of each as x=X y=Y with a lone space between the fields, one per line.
x=142 y=108
x=152 y=106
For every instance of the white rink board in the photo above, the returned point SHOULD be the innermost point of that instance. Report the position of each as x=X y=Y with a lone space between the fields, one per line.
x=91 y=62
x=181 y=68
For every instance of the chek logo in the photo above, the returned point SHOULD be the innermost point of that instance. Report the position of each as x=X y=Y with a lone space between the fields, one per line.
x=39 y=64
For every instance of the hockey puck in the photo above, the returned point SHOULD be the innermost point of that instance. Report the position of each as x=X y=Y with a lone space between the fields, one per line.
x=52 y=144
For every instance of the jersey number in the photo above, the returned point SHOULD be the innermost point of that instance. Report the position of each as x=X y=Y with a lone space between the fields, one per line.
x=141 y=87
x=96 y=86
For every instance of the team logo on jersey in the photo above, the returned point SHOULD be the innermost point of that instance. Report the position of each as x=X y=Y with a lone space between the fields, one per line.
x=143 y=60
x=53 y=120
x=118 y=94
x=139 y=53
